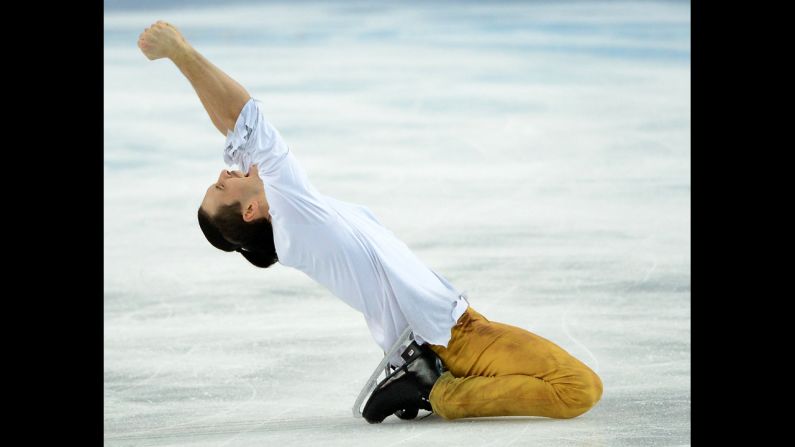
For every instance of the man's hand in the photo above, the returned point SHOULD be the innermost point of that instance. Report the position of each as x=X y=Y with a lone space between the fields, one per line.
x=160 y=40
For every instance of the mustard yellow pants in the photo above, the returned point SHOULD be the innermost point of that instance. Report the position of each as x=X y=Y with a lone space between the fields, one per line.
x=495 y=369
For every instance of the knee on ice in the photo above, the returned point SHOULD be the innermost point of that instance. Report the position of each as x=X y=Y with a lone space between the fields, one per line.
x=578 y=396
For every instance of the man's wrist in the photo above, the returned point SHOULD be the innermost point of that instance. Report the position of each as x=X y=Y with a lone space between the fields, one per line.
x=182 y=52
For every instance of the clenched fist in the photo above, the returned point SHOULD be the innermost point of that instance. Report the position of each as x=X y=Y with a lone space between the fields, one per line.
x=160 y=40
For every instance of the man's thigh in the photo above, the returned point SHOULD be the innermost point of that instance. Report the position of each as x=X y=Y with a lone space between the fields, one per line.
x=480 y=347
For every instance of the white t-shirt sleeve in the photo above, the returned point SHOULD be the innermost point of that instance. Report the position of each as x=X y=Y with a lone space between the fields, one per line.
x=291 y=196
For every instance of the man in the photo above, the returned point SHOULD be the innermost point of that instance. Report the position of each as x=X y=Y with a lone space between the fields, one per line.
x=270 y=212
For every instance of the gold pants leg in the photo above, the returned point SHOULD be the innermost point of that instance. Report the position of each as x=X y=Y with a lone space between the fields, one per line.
x=500 y=370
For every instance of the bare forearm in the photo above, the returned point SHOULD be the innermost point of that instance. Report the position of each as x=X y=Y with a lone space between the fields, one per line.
x=221 y=96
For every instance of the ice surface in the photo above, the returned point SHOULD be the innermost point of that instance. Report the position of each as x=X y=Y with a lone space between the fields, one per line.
x=535 y=154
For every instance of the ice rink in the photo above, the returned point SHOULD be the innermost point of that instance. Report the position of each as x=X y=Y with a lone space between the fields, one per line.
x=536 y=154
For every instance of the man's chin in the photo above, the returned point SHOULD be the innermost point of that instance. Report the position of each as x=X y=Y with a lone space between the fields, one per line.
x=252 y=170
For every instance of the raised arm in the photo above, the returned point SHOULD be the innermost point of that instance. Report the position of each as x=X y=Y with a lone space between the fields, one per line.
x=221 y=96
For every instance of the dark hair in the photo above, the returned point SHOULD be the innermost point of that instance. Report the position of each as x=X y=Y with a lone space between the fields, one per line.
x=228 y=231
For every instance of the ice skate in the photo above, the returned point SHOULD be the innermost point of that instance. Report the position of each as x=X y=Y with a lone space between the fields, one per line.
x=406 y=390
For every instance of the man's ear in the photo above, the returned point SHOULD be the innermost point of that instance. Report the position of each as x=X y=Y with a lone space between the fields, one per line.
x=251 y=211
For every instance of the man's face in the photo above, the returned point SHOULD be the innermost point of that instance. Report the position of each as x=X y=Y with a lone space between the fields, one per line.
x=231 y=187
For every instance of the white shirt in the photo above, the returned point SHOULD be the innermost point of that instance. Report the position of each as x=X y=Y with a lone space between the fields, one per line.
x=342 y=245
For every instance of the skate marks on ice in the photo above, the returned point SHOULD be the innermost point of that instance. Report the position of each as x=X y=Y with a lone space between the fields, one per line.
x=500 y=431
x=232 y=427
